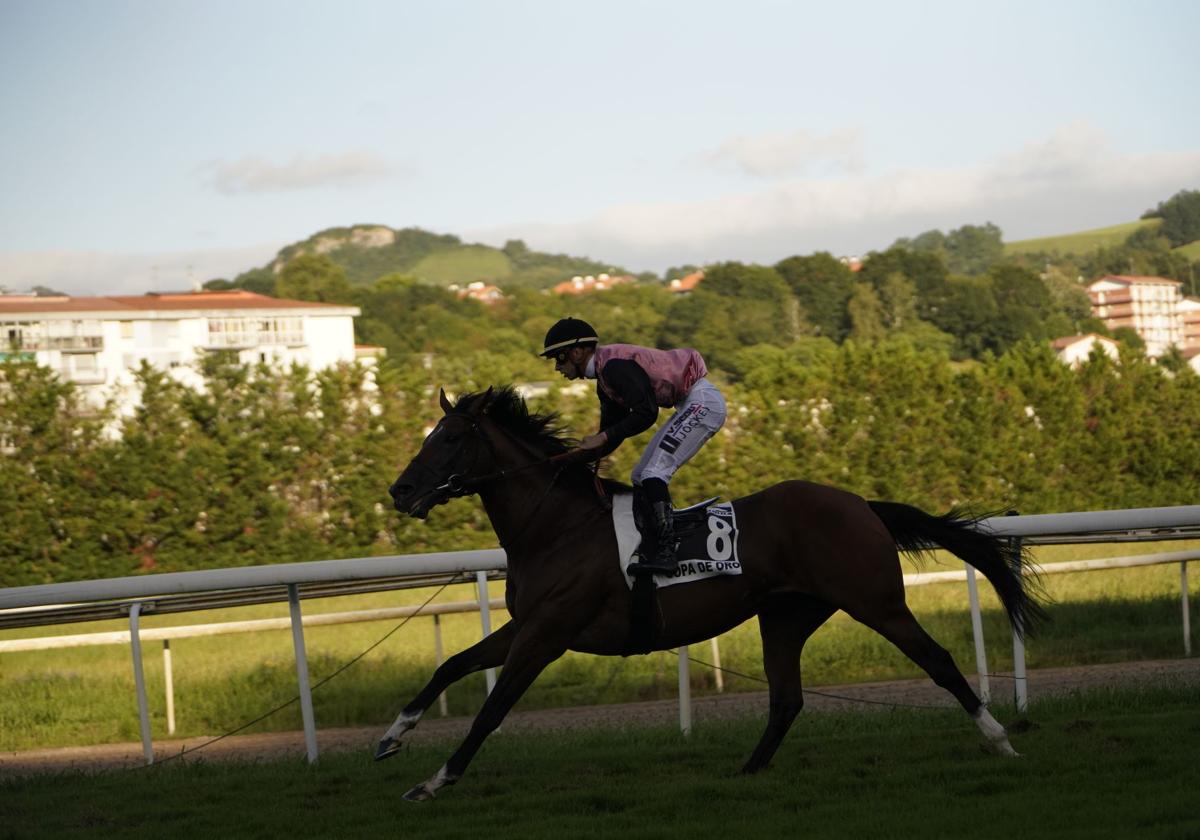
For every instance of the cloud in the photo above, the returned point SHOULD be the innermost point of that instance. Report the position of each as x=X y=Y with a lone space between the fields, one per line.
x=781 y=154
x=1071 y=180
x=100 y=273
x=255 y=175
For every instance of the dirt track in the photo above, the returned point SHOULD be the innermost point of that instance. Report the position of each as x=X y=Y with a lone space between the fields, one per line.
x=656 y=713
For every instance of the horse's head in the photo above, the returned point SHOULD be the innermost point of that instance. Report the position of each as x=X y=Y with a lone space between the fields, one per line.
x=453 y=452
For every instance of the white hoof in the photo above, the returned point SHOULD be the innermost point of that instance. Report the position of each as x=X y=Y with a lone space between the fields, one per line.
x=429 y=789
x=995 y=734
x=389 y=744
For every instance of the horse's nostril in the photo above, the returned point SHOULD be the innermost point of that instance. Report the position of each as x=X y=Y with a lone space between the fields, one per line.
x=399 y=491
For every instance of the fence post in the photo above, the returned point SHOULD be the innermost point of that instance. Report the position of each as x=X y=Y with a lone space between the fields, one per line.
x=438 y=657
x=718 y=677
x=485 y=619
x=169 y=679
x=985 y=689
x=1020 y=686
x=1187 y=618
x=306 y=707
x=685 y=692
x=139 y=680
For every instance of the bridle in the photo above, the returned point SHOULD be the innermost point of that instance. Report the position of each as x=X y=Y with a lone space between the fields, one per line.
x=458 y=484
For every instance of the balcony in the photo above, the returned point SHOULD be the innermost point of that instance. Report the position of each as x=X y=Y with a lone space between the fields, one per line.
x=246 y=339
x=64 y=343
x=96 y=376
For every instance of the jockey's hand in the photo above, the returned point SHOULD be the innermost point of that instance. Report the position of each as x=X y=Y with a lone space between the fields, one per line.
x=593 y=441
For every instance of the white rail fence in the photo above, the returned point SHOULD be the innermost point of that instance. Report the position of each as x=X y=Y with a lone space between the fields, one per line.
x=185 y=591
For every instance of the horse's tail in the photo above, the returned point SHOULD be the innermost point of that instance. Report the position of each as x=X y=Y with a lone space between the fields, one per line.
x=1002 y=561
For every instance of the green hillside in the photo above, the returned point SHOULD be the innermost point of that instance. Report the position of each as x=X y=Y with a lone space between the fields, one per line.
x=1191 y=251
x=463 y=264
x=368 y=252
x=1082 y=242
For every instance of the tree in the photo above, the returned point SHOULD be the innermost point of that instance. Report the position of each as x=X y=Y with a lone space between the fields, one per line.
x=313 y=277
x=971 y=249
x=868 y=318
x=1129 y=337
x=677 y=271
x=823 y=285
x=1180 y=216
x=897 y=294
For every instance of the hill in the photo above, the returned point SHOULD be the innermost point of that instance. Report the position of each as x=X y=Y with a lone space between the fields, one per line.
x=367 y=252
x=1082 y=242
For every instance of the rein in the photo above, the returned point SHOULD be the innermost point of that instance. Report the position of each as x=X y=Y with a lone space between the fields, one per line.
x=458 y=485
x=461 y=485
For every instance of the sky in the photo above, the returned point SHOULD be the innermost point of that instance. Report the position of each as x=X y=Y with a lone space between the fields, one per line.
x=153 y=146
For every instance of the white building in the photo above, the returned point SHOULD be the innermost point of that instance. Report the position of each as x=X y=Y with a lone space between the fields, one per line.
x=1074 y=350
x=97 y=342
x=1150 y=305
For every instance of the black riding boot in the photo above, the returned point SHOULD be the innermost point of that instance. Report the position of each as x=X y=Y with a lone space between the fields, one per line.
x=664 y=558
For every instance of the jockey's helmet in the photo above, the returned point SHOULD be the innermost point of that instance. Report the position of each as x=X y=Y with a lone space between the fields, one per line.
x=568 y=333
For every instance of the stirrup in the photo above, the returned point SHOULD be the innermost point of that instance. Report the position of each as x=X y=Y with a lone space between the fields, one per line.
x=657 y=566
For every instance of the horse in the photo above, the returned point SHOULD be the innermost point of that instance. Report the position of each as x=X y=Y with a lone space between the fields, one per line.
x=807 y=550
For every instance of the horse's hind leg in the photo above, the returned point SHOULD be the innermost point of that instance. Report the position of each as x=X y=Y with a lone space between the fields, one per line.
x=785 y=625
x=488 y=653
x=900 y=627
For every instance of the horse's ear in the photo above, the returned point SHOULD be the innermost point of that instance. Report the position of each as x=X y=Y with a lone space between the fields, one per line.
x=445 y=403
x=477 y=406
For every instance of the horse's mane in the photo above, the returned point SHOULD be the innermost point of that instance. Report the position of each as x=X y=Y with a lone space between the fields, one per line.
x=546 y=432
x=506 y=406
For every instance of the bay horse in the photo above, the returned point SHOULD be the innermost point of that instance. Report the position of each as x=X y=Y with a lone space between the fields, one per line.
x=807 y=550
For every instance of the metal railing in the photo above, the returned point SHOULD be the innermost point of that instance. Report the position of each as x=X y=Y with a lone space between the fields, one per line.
x=186 y=591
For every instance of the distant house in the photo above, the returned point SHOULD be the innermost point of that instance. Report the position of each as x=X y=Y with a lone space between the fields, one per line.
x=97 y=342
x=480 y=291
x=580 y=284
x=1189 y=311
x=685 y=285
x=1075 y=349
x=1149 y=305
x=852 y=263
x=1192 y=354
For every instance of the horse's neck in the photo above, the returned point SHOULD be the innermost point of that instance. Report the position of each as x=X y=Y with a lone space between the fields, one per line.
x=533 y=508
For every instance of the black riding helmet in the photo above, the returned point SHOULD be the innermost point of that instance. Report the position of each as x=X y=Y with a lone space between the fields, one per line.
x=567 y=333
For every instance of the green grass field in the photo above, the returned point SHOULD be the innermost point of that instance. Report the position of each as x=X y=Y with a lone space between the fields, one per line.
x=85 y=695
x=1082 y=242
x=1191 y=251
x=1096 y=765
x=462 y=266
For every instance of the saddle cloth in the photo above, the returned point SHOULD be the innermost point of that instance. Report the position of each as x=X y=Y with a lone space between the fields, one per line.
x=704 y=551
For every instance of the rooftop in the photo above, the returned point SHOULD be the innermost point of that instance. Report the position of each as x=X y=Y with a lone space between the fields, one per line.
x=152 y=302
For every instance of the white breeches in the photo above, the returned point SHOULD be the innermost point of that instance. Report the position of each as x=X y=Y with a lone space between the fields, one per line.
x=697 y=417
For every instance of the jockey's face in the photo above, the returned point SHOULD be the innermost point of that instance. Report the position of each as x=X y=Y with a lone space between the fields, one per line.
x=572 y=362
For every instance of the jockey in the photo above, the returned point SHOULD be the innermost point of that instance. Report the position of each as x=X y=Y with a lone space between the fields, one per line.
x=632 y=383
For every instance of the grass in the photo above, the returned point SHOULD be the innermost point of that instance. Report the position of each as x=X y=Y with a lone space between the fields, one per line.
x=463 y=265
x=85 y=695
x=1082 y=242
x=1191 y=251
x=1096 y=765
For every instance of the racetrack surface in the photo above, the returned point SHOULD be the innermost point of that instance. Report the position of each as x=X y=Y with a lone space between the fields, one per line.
x=866 y=697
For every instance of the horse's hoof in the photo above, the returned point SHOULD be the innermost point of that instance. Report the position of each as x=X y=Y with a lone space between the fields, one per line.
x=387 y=748
x=1001 y=747
x=420 y=793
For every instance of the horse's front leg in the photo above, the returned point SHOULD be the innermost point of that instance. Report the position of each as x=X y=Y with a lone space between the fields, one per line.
x=532 y=650
x=491 y=652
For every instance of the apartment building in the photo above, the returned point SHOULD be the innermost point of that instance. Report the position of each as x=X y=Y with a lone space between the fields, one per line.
x=1150 y=305
x=97 y=342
